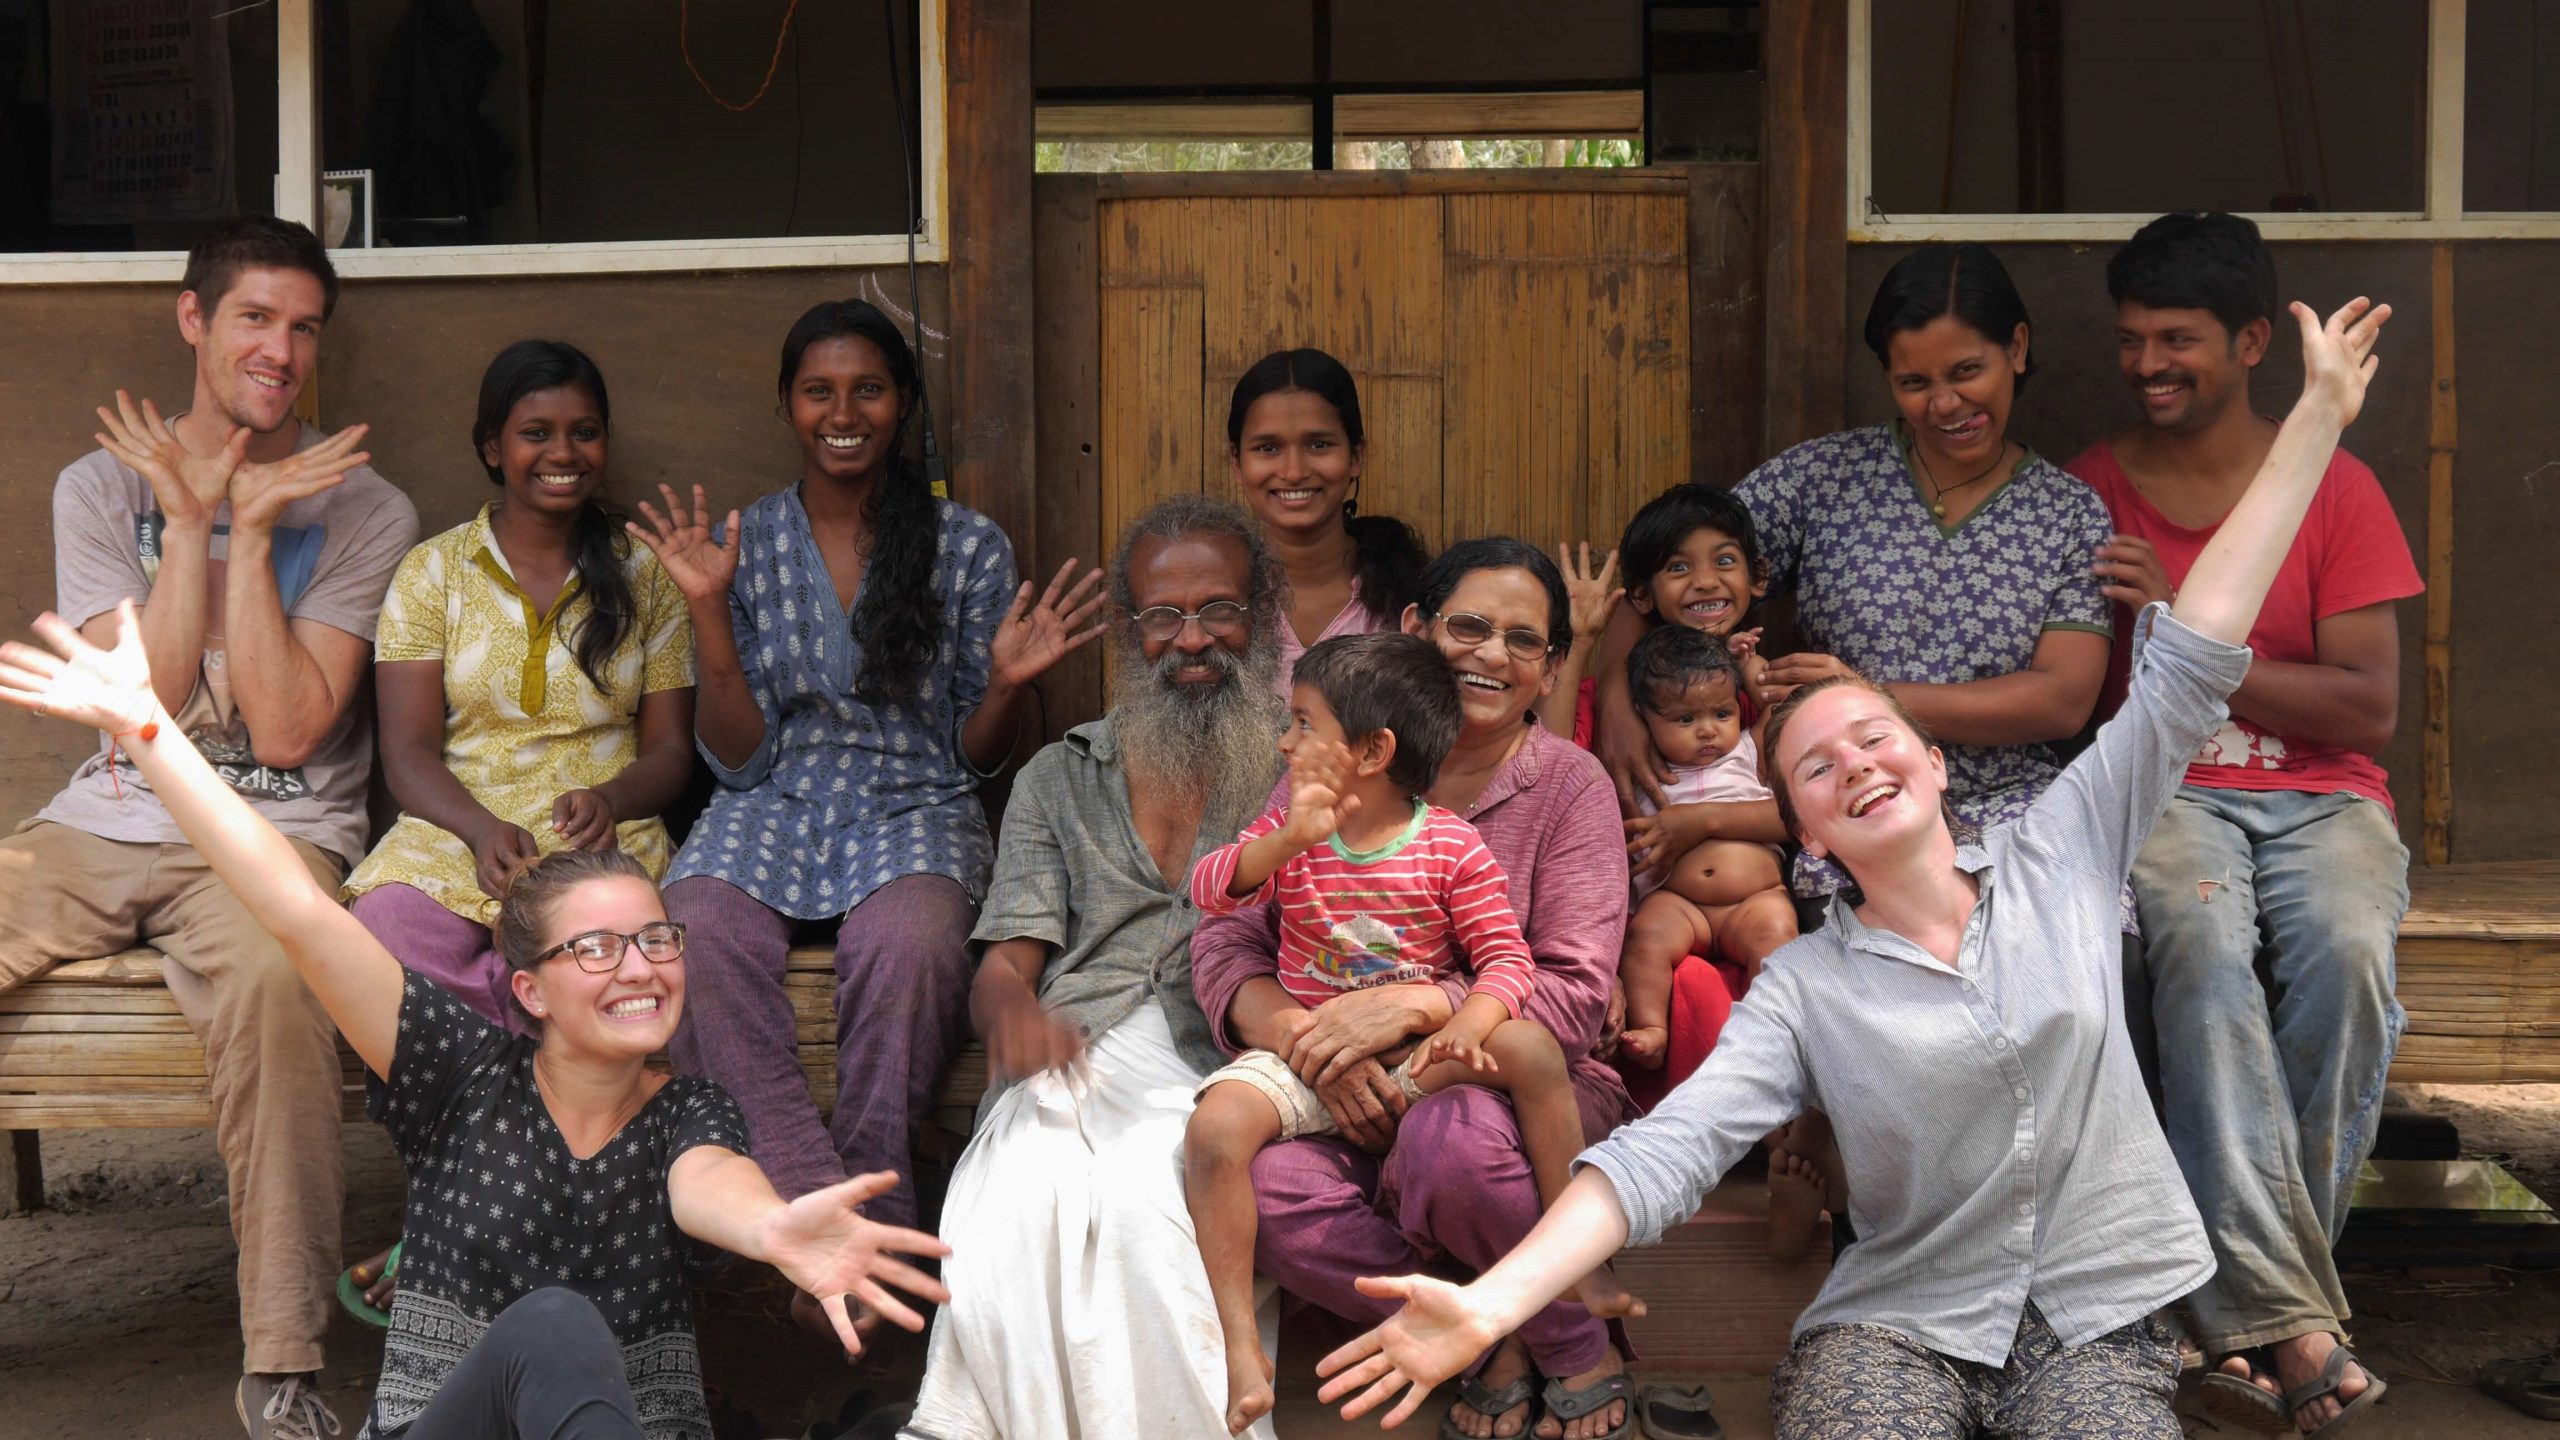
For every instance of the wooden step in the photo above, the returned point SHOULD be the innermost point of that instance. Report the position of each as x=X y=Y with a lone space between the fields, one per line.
x=2479 y=974
x=1714 y=1299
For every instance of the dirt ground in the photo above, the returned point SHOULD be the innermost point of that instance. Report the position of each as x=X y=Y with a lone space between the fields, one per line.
x=117 y=1304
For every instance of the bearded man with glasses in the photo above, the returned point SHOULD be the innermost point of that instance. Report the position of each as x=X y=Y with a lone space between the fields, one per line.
x=1078 y=1302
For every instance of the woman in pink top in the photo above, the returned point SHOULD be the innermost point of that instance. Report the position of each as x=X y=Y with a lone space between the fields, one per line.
x=1296 y=445
x=1457 y=1176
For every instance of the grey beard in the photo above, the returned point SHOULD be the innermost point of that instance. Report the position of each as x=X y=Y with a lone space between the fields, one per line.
x=1218 y=745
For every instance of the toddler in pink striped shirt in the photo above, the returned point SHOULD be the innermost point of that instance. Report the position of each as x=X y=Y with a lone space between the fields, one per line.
x=1374 y=886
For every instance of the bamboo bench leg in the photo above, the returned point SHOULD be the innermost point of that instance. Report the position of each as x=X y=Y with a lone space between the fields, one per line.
x=22 y=1173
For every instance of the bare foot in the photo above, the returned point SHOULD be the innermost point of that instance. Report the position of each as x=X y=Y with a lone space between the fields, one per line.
x=1248 y=1386
x=2298 y=1363
x=1796 y=1188
x=1510 y=1362
x=1646 y=1045
x=378 y=1287
x=1602 y=1421
x=1602 y=1295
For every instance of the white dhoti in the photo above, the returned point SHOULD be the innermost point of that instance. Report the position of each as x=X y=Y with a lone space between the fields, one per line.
x=1079 y=1308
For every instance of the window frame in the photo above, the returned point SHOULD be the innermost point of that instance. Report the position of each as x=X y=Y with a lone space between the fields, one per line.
x=298 y=198
x=2442 y=219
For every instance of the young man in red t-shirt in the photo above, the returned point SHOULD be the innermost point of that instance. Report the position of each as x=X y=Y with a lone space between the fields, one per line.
x=2282 y=842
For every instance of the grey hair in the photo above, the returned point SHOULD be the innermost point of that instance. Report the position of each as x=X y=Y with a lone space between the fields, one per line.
x=1183 y=517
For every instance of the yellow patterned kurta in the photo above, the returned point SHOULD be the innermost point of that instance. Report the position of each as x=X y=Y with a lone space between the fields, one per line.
x=522 y=723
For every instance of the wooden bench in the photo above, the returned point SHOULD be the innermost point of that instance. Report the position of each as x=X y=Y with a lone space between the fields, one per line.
x=100 y=1043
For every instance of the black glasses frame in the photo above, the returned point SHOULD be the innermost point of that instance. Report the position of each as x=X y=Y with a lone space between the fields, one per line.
x=672 y=929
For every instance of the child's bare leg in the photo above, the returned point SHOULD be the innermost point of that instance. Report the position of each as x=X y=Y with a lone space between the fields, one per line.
x=1804 y=1180
x=1532 y=1072
x=1722 y=872
x=1749 y=932
x=1666 y=929
x=1231 y=1122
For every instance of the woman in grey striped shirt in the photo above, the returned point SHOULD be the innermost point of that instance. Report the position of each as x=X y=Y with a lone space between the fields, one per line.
x=2020 y=1218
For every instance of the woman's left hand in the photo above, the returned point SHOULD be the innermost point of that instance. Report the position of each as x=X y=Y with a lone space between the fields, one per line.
x=583 y=819
x=107 y=690
x=1033 y=637
x=1346 y=1030
x=1440 y=1328
x=821 y=1243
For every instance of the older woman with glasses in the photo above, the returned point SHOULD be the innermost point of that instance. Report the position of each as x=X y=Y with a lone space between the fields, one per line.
x=1453 y=1162
x=563 y=1189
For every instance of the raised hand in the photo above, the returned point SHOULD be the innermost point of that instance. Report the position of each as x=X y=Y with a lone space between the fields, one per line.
x=821 y=1243
x=1440 y=1329
x=189 y=487
x=1034 y=637
x=701 y=566
x=2337 y=357
x=1595 y=593
x=2130 y=572
x=107 y=690
x=499 y=851
x=1320 y=797
x=260 y=492
x=584 y=820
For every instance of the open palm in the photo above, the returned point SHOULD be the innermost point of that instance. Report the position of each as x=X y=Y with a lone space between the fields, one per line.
x=2338 y=356
x=1034 y=637
x=1433 y=1337
x=189 y=487
x=260 y=491
x=106 y=690
x=821 y=1243
x=681 y=538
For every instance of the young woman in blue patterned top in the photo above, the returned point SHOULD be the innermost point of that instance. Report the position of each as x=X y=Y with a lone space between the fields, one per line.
x=863 y=650
x=560 y=1191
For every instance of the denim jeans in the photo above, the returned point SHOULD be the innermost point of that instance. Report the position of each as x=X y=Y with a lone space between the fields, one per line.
x=2269 y=921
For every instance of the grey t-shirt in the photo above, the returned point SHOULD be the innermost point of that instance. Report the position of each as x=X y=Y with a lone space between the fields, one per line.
x=334 y=554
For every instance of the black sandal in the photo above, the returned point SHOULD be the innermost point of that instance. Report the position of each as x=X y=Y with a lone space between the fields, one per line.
x=1568 y=1405
x=2330 y=1374
x=1493 y=1405
x=1677 y=1412
x=2531 y=1384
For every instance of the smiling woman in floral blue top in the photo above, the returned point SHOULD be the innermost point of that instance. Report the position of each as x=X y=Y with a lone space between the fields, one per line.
x=863 y=647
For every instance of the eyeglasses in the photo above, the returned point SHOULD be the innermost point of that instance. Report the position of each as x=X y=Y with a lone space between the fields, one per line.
x=1473 y=630
x=599 y=952
x=1218 y=619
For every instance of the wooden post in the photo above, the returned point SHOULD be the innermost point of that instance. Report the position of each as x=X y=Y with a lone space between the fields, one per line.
x=1725 y=324
x=2436 y=739
x=2038 y=41
x=1805 y=219
x=1067 y=373
x=988 y=71
x=22 y=1174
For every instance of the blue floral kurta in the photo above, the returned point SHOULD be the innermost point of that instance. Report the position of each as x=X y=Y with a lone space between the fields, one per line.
x=1880 y=584
x=842 y=798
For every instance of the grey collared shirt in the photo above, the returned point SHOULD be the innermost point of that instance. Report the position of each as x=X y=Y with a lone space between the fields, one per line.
x=1998 y=1143
x=1072 y=873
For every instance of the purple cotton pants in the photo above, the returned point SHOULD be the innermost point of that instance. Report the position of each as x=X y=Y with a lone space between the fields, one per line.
x=454 y=952
x=1456 y=1184
x=902 y=994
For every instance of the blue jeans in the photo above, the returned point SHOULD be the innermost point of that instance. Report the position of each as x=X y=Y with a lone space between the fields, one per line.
x=2270 y=1086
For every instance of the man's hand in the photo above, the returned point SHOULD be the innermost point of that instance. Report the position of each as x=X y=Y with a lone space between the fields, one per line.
x=1347 y=1030
x=189 y=487
x=501 y=848
x=1365 y=1103
x=2130 y=572
x=260 y=493
x=1802 y=668
x=1027 y=1039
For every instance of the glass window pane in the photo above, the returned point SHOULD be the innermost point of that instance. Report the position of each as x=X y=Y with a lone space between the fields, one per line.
x=2511 y=106
x=1485 y=154
x=512 y=122
x=2248 y=105
x=1111 y=157
x=133 y=125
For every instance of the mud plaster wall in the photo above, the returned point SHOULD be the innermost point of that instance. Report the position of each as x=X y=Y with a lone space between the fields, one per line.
x=2506 y=648
x=690 y=359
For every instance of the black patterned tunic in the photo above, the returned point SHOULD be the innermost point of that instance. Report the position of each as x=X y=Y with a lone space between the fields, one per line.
x=499 y=1208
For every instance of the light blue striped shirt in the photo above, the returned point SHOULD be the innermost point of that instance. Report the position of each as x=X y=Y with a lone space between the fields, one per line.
x=1998 y=1143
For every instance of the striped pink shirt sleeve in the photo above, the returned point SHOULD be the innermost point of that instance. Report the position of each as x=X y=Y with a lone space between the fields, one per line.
x=1480 y=919
x=1217 y=870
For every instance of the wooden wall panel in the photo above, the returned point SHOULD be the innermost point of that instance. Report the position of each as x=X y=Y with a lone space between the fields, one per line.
x=1400 y=475
x=1150 y=351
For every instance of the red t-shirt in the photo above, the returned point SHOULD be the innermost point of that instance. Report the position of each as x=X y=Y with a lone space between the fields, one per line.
x=2350 y=554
